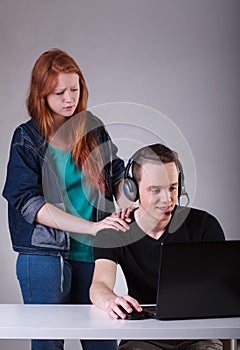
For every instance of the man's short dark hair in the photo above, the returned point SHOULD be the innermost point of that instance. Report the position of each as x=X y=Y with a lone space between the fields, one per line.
x=156 y=153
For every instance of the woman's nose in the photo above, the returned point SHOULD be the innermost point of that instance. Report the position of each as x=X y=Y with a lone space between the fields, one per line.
x=68 y=95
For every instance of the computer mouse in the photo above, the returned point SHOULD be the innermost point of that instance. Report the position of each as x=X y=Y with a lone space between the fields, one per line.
x=134 y=315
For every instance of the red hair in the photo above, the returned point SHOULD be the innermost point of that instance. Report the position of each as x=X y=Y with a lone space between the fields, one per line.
x=43 y=81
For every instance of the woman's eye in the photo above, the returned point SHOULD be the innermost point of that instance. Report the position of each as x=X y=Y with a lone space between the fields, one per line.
x=59 y=93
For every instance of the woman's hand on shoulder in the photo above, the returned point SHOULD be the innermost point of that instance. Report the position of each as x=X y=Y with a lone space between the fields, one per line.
x=117 y=221
x=124 y=213
x=114 y=222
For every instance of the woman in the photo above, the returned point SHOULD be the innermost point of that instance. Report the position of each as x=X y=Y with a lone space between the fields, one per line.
x=62 y=174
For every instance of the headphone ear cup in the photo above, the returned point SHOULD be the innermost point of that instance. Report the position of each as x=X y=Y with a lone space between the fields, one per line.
x=130 y=189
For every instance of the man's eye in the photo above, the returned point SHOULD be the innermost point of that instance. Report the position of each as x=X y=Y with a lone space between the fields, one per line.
x=173 y=188
x=155 y=190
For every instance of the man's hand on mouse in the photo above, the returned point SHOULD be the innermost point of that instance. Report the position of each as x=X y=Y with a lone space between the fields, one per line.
x=119 y=306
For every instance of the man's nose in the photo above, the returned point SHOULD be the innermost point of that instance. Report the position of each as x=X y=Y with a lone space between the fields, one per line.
x=165 y=196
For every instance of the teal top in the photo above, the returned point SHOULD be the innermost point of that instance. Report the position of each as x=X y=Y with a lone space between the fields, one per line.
x=77 y=201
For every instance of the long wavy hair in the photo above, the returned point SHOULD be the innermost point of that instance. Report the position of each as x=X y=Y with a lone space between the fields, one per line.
x=85 y=150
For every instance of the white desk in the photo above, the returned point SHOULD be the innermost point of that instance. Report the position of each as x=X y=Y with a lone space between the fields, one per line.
x=88 y=322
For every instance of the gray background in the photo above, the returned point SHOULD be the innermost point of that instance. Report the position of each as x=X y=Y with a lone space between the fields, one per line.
x=180 y=57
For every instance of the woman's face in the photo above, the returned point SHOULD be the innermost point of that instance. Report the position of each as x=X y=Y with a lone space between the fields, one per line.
x=64 y=99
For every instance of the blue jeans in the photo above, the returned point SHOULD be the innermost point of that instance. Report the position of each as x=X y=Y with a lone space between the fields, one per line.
x=82 y=273
x=40 y=281
x=36 y=271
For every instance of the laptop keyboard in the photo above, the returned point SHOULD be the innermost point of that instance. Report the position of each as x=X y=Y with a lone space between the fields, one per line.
x=151 y=310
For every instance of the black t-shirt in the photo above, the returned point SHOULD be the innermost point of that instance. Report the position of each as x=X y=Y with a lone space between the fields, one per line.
x=138 y=254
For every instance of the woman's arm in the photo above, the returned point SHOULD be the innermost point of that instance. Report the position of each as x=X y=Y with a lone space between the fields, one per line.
x=23 y=190
x=50 y=215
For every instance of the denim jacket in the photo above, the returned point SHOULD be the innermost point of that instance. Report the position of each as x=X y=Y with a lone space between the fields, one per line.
x=31 y=182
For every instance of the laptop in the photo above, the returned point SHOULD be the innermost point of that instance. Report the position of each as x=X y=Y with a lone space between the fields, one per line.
x=198 y=280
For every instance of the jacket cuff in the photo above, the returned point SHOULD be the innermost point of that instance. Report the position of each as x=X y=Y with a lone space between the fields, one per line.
x=30 y=209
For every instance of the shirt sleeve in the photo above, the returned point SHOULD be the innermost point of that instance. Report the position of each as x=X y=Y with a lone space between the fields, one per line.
x=212 y=229
x=203 y=226
x=105 y=253
x=107 y=244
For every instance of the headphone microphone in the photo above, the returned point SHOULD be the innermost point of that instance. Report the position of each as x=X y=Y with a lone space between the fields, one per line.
x=181 y=185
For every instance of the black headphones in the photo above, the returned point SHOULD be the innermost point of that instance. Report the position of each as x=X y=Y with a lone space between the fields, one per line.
x=130 y=187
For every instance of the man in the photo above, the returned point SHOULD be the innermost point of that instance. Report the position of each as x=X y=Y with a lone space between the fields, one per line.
x=157 y=181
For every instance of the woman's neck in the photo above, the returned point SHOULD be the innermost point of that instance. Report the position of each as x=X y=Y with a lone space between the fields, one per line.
x=58 y=140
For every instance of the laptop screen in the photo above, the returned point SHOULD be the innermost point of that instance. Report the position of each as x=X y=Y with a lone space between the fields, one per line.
x=199 y=280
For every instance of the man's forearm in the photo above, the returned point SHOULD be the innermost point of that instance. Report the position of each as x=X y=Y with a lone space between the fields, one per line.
x=108 y=301
x=101 y=295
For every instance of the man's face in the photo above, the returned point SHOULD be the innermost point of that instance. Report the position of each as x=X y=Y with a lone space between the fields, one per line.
x=158 y=190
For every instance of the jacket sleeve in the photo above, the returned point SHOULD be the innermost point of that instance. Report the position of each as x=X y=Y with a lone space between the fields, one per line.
x=23 y=187
x=117 y=164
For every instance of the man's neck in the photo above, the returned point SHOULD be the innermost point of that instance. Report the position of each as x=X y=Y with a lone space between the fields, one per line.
x=150 y=225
